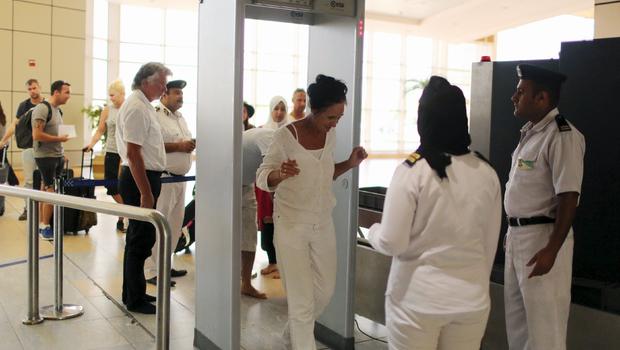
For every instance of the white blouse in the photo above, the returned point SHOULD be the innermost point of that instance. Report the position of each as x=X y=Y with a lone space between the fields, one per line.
x=442 y=234
x=307 y=197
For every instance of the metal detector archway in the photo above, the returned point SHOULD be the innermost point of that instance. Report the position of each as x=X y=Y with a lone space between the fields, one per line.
x=335 y=48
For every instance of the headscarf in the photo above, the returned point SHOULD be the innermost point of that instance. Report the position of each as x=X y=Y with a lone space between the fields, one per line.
x=272 y=124
x=442 y=124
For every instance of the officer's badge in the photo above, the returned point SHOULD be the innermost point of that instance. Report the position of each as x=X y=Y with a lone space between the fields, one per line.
x=523 y=164
x=413 y=157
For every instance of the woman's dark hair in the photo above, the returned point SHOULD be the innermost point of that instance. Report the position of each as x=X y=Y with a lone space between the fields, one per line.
x=2 y=116
x=325 y=92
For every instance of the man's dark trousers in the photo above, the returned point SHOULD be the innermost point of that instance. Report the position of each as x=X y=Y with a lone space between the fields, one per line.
x=139 y=239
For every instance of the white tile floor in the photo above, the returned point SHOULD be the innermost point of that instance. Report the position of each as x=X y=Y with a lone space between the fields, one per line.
x=93 y=277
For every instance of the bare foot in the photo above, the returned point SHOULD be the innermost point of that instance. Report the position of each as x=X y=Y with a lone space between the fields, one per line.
x=252 y=292
x=269 y=269
x=276 y=275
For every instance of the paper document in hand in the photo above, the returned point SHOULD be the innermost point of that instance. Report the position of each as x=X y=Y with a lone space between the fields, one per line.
x=67 y=129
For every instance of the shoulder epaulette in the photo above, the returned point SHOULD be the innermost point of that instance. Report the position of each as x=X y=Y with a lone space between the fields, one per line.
x=562 y=123
x=412 y=159
x=481 y=157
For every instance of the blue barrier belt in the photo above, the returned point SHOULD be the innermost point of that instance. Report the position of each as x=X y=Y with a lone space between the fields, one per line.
x=95 y=183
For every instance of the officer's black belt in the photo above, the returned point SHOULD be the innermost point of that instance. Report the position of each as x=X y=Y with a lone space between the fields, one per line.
x=536 y=220
x=171 y=174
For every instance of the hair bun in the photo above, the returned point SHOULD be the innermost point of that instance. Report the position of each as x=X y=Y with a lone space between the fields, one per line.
x=326 y=91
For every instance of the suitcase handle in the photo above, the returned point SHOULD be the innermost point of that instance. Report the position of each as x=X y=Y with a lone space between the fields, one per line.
x=5 y=149
x=90 y=175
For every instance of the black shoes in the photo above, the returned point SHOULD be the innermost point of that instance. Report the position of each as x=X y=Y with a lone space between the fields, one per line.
x=154 y=281
x=173 y=273
x=23 y=216
x=149 y=298
x=120 y=226
x=177 y=273
x=143 y=308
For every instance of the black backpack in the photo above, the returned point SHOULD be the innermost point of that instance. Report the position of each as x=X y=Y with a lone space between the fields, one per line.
x=23 y=129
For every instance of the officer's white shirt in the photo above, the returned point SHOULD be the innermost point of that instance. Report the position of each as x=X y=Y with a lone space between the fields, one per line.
x=174 y=129
x=442 y=235
x=137 y=123
x=546 y=162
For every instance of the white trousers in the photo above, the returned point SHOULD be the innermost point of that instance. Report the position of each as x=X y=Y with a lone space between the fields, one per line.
x=412 y=330
x=171 y=203
x=307 y=263
x=536 y=308
x=28 y=166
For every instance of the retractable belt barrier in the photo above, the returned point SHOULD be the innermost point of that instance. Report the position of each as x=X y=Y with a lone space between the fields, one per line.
x=95 y=183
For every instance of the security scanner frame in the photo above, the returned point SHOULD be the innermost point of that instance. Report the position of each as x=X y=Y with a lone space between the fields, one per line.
x=335 y=48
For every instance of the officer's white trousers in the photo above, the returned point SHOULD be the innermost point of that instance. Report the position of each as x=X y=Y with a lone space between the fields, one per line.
x=536 y=308
x=307 y=263
x=412 y=330
x=171 y=203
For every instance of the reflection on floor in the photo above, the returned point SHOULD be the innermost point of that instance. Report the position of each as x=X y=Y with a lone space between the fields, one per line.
x=93 y=277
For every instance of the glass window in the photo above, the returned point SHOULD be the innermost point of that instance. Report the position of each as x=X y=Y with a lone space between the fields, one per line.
x=141 y=24
x=182 y=55
x=100 y=19
x=126 y=72
x=181 y=28
x=100 y=49
x=100 y=79
x=141 y=53
x=517 y=43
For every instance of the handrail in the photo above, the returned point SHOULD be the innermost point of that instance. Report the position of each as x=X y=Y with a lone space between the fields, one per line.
x=142 y=214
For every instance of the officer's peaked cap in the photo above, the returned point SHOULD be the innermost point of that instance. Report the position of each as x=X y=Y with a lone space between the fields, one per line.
x=540 y=75
x=176 y=84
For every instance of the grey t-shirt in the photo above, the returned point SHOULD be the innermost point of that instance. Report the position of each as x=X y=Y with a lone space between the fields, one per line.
x=255 y=143
x=47 y=149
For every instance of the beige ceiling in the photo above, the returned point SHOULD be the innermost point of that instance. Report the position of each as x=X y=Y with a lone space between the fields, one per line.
x=464 y=20
x=454 y=20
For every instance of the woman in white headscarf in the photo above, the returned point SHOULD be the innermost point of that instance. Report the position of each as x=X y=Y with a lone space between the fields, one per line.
x=277 y=113
x=277 y=118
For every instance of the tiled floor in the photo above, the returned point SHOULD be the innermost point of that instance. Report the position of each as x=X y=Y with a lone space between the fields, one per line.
x=93 y=277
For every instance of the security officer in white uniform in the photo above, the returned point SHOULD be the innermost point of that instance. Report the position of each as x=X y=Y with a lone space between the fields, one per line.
x=541 y=198
x=179 y=147
x=438 y=291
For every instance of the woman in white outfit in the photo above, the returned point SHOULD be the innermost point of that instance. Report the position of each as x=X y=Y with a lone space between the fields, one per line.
x=300 y=168
x=264 y=213
x=107 y=125
x=441 y=223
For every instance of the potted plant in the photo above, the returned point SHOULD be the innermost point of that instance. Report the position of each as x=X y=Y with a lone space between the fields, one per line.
x=94 y=113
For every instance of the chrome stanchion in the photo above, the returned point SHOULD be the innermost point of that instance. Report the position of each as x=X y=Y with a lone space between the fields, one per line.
x=59 y=311
x=33 y=317
x=164 y=265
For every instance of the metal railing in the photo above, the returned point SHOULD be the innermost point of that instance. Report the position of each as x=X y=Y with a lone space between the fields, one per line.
x=33 y=197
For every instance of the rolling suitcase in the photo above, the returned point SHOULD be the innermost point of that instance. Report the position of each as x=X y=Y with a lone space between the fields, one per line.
x=78 y=220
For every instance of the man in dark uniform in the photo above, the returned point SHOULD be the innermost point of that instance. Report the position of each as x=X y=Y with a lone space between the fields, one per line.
x=541 y=198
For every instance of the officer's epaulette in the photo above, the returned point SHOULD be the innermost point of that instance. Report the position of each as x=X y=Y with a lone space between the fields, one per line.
x=562 y=123
x=481 y=157
x=412 y=159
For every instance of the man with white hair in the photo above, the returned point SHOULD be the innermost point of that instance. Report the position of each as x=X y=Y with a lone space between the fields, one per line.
x=141 y=147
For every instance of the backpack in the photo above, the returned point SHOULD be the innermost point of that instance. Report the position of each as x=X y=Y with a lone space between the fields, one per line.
x=23 y=129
